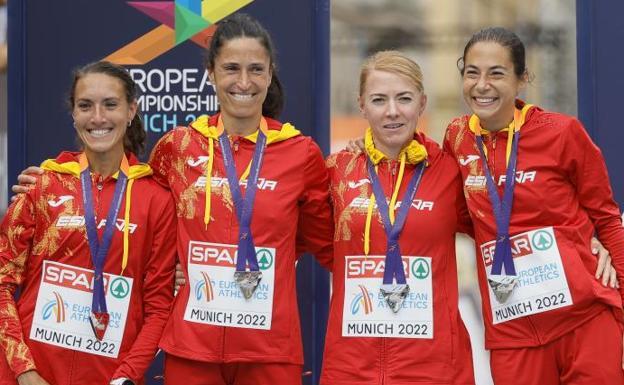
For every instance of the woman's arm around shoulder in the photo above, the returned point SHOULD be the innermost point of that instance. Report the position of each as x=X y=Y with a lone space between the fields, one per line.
x=17 y=232
x=315 y=229
x=583 y=163
x=157 y=287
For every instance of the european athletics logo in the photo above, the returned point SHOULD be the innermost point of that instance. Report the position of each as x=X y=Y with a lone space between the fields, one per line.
x=56 y=307
x=204 y=287
x=362 y=300
x=180 y=20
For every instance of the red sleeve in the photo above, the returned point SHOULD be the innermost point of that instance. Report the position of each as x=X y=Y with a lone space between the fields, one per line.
x=315 y=228
x=464 y=222
x=157 y=291
x=587 y=170
x=160 y=159
x=16 y=235
x=446 y=144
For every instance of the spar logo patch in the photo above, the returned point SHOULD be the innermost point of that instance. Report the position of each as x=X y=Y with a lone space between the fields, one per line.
x=265 y=259
x=421 y=268
x=119 y=288
x=216 y=254
x=542 y=240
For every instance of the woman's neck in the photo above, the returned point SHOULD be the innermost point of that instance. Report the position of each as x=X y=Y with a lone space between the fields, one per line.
x=390 y=151
x=104 y=164
x=240 y=126
x=495 y=124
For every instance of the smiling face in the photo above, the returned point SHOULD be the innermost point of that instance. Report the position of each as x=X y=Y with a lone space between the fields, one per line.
x=490 y=85
x=392 y=105
x=101 y=113
x=241 y=76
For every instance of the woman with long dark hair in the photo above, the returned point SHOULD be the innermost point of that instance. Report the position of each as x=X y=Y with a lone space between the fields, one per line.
x=91 y=246
x=251 y=193
x=537 y=189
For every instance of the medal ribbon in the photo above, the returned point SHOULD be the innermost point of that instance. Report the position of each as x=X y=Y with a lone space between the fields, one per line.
x=99 y=250
x=244 y=205
x=394 y=262
x=502 y=208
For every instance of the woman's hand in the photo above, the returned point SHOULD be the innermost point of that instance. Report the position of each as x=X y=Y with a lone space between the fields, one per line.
x=605 y=269
x=31 y=377
x=25 y=180
x=179 y=278
x=355 y=146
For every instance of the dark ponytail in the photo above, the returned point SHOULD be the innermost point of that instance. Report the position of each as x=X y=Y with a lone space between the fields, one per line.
x=243 y=25
x=274 y=102
x=134 y=140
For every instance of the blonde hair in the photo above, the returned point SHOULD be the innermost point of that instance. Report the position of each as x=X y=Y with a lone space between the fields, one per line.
x=394 y=62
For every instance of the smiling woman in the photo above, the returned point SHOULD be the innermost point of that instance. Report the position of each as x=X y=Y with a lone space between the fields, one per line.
x=392 y=106
x=537 y=189
x=241 y=75
x=104 y=101
x=94 y=253
x=397 y=207
x=101 y=115
x=246 y=185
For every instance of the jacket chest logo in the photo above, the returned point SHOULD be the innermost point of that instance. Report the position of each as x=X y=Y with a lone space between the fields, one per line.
x=198 y=161
x=60 y=200
x=464 y=161
x=76 y=221
x=417 y=204
x=359 y=183
x=480 y=180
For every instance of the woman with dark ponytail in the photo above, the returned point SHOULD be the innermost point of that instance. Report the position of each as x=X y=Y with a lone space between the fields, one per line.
x=236 y=320
x=537 y=190
x=135 y=136
x=91 y=246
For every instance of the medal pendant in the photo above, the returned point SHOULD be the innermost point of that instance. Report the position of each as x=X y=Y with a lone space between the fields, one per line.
x=99 y=323
x=502 y=286
x=248 y=281
x=395 y=295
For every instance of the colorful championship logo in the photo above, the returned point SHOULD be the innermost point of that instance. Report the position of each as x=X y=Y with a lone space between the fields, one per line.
x=204 y=288
x=180 y=20
x=362 y=300
x=56 y=307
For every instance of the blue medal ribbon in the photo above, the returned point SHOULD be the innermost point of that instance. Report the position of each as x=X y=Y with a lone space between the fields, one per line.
x=502 y=209
x=99 y=250
x=394 y=261
x=244 y=205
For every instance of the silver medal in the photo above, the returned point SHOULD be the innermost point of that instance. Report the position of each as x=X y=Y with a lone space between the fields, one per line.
x=248 y=281
x=502 y=286
x=394 y=295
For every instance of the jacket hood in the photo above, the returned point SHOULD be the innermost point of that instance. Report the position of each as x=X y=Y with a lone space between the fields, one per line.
x=277 y=131
x=67 y=162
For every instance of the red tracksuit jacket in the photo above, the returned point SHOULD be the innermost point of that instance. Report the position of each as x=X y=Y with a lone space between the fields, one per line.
x=291 y=212
x=44 y=250
x=562 y=197
x=438 y=212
